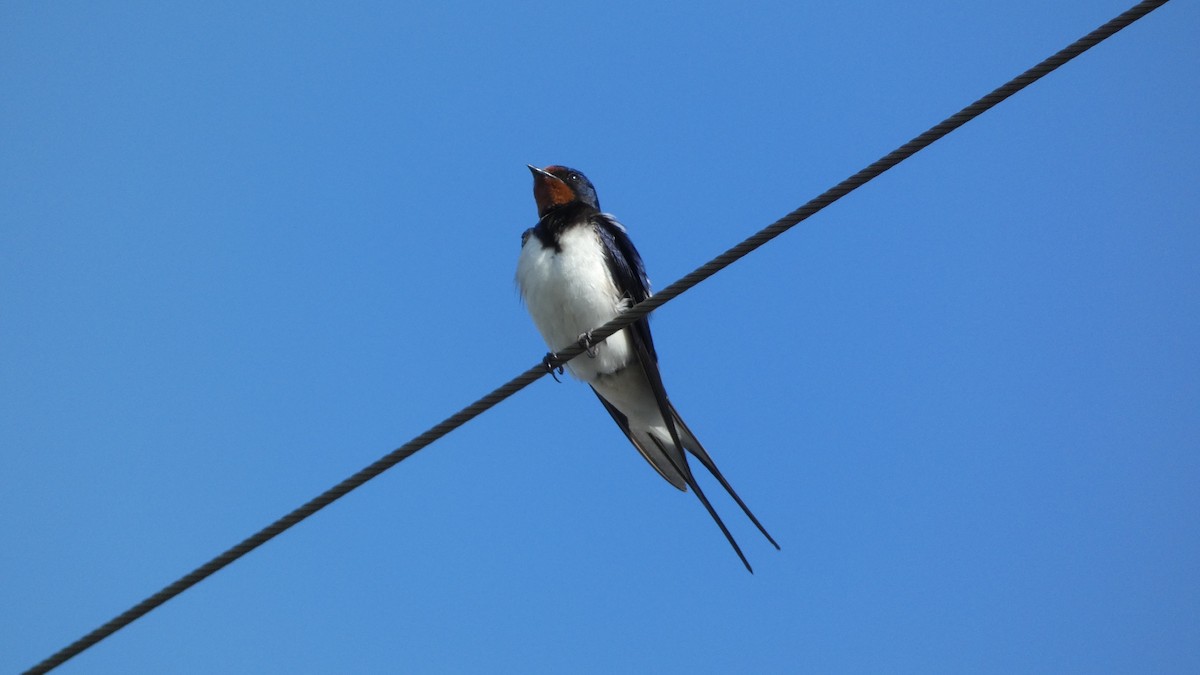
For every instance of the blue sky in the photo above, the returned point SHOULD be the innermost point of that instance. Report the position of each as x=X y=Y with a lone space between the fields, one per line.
x=246 y=250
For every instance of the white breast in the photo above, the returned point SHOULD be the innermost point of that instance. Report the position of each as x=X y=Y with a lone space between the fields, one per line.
x=571 y=292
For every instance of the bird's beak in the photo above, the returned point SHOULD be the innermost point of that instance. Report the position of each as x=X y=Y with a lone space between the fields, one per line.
x=540 y=173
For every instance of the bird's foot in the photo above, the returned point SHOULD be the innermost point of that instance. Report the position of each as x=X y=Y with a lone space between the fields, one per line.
x=549 y=361
x=585 y=339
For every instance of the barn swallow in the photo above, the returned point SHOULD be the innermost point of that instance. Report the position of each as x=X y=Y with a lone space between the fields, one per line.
x=577 y=270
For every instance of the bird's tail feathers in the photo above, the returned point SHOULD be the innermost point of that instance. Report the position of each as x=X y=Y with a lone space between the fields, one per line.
x=692 y=445
x=691 y=481
x=670 y=463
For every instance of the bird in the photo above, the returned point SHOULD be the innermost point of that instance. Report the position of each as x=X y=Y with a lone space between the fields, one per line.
x=577 y=270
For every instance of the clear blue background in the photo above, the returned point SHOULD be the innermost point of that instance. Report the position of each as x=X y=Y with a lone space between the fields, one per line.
x=246 y=249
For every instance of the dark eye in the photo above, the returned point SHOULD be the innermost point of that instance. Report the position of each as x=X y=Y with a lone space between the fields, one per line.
x=573 y=177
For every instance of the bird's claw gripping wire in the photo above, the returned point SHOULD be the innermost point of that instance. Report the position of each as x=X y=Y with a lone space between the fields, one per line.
x=585 y=340
x=548 y=361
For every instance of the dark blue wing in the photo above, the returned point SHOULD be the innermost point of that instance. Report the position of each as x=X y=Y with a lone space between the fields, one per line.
x=630 y=276
x=628 y=271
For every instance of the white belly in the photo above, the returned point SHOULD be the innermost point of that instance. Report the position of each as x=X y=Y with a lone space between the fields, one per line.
x=571 y=292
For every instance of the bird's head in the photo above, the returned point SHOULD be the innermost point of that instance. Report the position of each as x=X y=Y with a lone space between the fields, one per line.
x=557 y=186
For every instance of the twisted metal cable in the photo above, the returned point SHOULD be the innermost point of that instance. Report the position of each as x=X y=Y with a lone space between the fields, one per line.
x=862 y=177
x=633 y=314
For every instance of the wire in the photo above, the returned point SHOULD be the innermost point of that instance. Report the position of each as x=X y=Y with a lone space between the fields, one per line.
x=633 y=314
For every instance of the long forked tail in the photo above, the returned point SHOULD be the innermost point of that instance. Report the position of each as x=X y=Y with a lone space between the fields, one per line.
x=679 y=461
x=691 y=481
x=692 y=445
x=671 y=463
x=675 y=425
